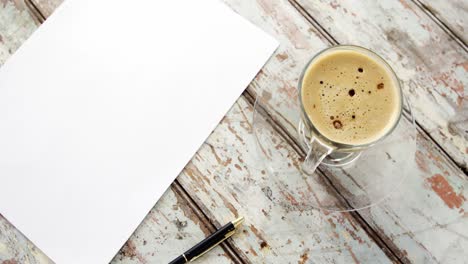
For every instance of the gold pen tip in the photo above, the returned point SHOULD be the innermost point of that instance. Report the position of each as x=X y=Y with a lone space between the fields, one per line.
x=238 y=222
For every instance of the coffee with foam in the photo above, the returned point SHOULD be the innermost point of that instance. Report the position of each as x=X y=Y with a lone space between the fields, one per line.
x=350 y=97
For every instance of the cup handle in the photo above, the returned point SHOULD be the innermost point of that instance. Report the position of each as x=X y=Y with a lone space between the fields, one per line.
x=316 y=153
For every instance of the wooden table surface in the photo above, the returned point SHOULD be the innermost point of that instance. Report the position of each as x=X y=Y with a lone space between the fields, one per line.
x=425 y=222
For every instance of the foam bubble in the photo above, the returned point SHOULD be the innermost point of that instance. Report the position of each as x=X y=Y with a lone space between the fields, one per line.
x=339 y=82
x=337 y=124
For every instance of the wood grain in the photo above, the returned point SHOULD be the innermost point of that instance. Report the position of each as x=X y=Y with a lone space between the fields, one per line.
x=169 y=229
x=171 y=226
x=453 y=14
x=432 y=67
x=46 y=7
x=16 y=248
x=277 y=83
x=303 y=255
x=16 y=25
x=227 y=179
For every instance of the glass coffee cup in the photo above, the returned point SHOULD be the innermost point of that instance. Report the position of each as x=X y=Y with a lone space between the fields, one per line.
x=350 y=100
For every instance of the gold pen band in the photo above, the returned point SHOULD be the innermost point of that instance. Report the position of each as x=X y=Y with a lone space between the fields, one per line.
x=203 y=253
x=236 y=223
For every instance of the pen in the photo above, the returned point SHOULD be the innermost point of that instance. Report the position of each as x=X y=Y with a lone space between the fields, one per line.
x=208 y=243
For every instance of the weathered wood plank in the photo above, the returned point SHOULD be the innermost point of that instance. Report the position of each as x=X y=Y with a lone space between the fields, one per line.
x=170 y=228
x=227 y=178
x=436 y=85
x=453 y=14
x=15 y=248
x=299 y=42
x=331 y=251
x=46 y=7
x=278 y=81
x=428 y=218
x=432 y=67
x=16 y=25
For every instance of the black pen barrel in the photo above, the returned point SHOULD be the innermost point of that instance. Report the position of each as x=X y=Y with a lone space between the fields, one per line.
x=209 y=242
x=205 y=245
x=179 y=260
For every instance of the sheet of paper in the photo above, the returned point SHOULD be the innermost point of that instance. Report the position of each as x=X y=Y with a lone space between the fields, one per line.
x=103 y=107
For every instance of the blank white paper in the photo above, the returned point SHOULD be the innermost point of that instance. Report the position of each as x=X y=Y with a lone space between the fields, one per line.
x=103 y=107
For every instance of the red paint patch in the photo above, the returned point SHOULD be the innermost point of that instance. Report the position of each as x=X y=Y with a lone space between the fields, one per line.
x=354 y=236
x=304 y=257
x=288 y=26
x=334 y=5
x=448 y=80
x=355 y=259
x=420 y=161
x=290 y=198
x=462 y=64
x=459 y=101
x=252 y=251
x=289 y=90
x=332 y=223
x=405 y=4
x=282 y=56
x=129 y=250
x=10 y=261
x=443 y=189
x=426 y=27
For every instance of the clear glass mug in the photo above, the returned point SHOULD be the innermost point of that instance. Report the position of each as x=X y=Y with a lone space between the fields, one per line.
x=320 y=149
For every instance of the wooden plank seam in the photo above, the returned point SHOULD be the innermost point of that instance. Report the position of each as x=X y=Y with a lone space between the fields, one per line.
x=35 y=11
x=227 y=244
x=387 y=247
x=333 y=41
x=442 y=24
